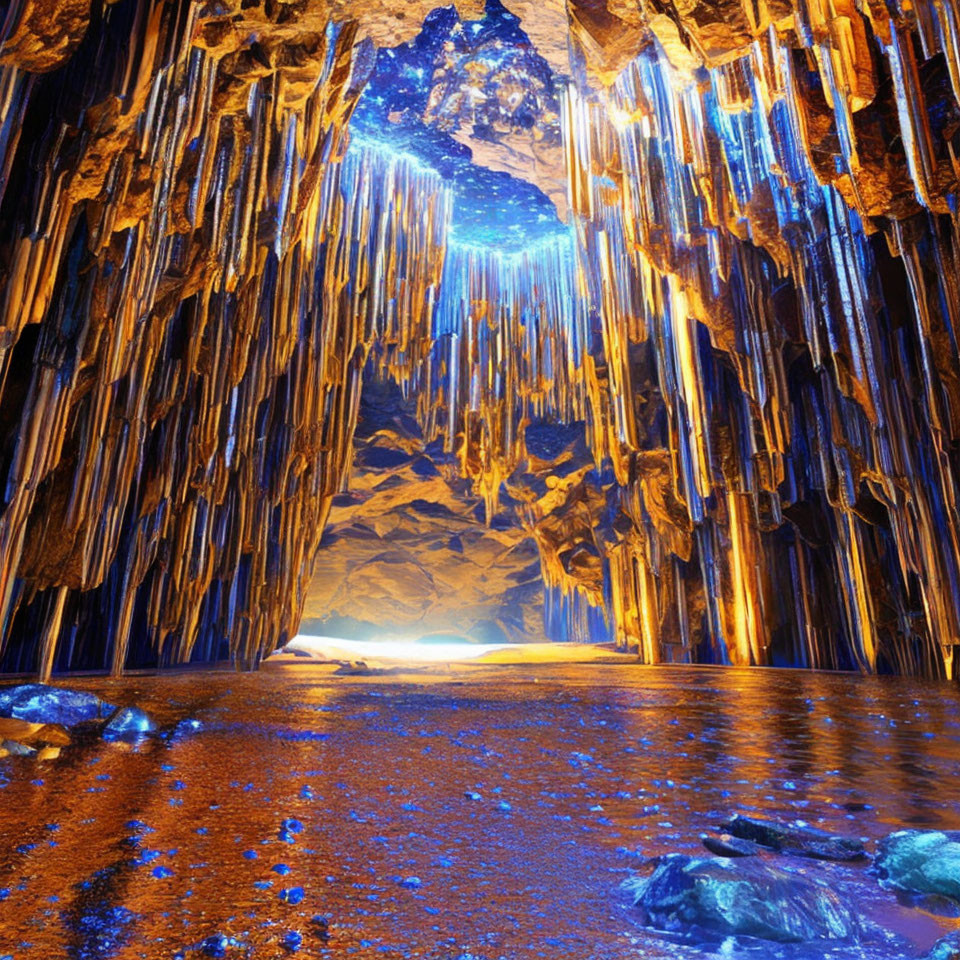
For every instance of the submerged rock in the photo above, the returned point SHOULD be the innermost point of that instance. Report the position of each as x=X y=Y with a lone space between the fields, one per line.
x=921 y=862
x=726 y=845
x=293 y=941
x=724 y=897
x=797 y=838
x=128 y=723
x=217 y=945
x=42 y=703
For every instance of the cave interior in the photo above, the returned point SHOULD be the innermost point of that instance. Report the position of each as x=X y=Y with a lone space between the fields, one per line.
x=613 y=321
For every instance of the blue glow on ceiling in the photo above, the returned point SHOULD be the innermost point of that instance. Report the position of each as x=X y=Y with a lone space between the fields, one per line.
x=483 y=73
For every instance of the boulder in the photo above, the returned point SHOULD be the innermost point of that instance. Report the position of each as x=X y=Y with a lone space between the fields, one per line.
x=719 y=897
x=796 y=838
x=923 y=863
x=42 y=703
x=128 y=723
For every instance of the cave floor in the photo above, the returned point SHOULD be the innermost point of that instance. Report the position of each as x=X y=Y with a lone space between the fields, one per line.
x=120 y=851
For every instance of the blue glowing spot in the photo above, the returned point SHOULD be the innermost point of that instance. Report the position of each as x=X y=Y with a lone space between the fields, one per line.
x=218 y=944
x=250 y=855
x=291 y=895
x=161 y=872
x=281 y=868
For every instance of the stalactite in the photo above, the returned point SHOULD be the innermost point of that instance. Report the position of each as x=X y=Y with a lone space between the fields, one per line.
x=510 y=333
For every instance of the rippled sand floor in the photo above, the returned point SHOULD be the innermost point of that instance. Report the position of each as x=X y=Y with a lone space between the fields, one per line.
x=111 y=851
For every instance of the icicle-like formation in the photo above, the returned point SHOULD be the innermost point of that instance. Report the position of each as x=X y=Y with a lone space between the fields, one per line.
x=510 y=333
x=797 y=502
x=404 y=209
x=192 y=285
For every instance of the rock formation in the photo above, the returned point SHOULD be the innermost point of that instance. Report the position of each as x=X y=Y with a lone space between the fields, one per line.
x=748 y=312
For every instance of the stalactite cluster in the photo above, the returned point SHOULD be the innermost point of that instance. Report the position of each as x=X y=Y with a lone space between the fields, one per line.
x=189 y=299
x=762 y=347
x=752 y=314
x=806 y=460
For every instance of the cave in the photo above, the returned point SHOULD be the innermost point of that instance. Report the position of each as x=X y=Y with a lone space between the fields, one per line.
x=479 y=481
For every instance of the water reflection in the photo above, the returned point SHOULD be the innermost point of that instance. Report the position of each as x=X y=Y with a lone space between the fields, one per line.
x=489 y=815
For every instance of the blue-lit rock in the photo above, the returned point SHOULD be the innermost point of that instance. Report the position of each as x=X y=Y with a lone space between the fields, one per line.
x=292 y=941
x=41 y=703
x=217 y=945
x=796 y=838
x=710 y=897
x=128 y=723
x=946 y=948
x=923 y=863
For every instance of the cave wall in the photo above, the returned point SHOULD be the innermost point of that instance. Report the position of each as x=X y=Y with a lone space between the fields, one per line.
x=783 y=232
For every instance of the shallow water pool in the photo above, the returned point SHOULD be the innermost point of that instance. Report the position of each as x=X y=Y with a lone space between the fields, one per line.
x=489 y=814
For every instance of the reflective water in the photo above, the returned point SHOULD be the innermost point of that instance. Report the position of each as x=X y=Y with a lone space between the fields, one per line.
x=111 y=851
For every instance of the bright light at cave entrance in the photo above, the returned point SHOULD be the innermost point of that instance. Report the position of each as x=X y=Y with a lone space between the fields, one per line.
x=390 y=648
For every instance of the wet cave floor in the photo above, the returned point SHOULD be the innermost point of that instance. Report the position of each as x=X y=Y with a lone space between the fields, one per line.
x=488 y=814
